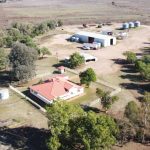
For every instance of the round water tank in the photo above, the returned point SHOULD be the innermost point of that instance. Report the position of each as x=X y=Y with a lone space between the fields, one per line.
x=4 y=94
x=125 y=25
x=131 y=25
x=137 y=24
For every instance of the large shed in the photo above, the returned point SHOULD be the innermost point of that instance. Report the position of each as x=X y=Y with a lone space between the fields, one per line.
x=90 y=37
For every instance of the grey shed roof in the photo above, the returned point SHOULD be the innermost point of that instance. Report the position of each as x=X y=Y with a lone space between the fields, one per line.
x=94 y=35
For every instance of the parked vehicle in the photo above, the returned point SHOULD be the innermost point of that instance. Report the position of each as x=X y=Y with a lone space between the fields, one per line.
x=86 y=47
x=92 y=46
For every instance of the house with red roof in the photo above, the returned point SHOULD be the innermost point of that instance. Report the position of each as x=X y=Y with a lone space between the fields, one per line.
x=56 y=87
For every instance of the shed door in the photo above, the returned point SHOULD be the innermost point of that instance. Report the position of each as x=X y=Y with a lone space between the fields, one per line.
x=90 y=39
x=111 y=42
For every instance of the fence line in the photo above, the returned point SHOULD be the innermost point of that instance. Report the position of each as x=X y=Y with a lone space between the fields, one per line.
x=27 y=98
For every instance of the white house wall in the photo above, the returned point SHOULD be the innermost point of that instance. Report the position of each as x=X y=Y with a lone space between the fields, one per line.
x=70 y=94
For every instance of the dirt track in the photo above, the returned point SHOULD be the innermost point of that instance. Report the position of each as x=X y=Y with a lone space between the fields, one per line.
x=105 y=65
x=72 y=11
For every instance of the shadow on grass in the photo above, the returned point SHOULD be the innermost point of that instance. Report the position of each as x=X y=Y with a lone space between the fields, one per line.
x=132 y=77
x=61 y=63
x=5 y=79
x=34 y=98
x=129 y=72
x=141 y=88
x=89 y=108
x=27 y=138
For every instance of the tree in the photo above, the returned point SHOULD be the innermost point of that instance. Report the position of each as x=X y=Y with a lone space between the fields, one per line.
x=43 y=51
x=131 y=57
x=14 y=33
x=2 y=38
x=92 y=132
x=3 y=59
x=87 y=76
x=144 y=118
x=22 y=60
x=51 y=24
x=144 y=69
x=9 y=41
x=71 y=128
x=60 y=23
x=76 y=60
x=106 y=99
x=126 y=131
x=146 y=59
x=27 y=40
x=24 y=28
x=132 y=112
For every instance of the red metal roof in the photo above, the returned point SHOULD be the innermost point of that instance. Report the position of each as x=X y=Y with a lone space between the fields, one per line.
x=61 y=68
x=53 y=87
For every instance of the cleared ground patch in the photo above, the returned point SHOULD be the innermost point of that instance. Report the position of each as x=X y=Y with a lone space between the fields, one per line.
x=16 y=112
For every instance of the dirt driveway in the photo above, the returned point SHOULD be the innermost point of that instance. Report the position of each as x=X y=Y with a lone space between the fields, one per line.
x=105 y=65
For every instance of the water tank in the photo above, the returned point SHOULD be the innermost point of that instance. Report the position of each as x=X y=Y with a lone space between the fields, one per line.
x=4 y=94
x=131 y=24
x=125 y=26
x=137 y=23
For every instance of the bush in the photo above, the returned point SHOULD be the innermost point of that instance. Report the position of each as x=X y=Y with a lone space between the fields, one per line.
x=76 y=60
x=131 y=57
x=87 y=76
x=9 y=41
x=132 y=112
x=60 y=23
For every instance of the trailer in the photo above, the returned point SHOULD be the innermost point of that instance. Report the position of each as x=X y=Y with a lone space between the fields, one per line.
x=93 y=46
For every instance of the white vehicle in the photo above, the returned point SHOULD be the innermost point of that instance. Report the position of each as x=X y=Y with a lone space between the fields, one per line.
x=86 y=47
x=89 y=46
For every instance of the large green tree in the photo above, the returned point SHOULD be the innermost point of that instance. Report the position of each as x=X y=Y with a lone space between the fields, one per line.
x=87 y=76
x=22 y=60
x=71 y=128
x=76 y=60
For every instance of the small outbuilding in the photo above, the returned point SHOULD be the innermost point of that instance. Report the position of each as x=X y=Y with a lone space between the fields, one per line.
x=4 y=94
x=90 y=37
x=137 y=23
x=131 y=25
x=88 y=57
x=125 y=25
x=61 y=69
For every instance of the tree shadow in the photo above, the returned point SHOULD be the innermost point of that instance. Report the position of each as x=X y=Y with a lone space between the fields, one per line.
x=132 y=77
x=5 y=78
x=146 y=50
x=62 y=63
x=140 y=88
x=129 y=72
x=119 y=61
x=27 y=138
x=89 y=108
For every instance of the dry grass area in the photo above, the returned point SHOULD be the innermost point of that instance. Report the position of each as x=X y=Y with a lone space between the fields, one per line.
x=16 y=112
x=72 y=11
x=132 y=146
x=106 y=67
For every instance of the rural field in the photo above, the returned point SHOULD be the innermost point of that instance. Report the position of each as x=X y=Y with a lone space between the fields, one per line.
x=74 y=12
x=24 y=122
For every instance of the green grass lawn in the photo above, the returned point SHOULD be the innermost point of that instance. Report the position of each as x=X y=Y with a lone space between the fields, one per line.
x=90 y=94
